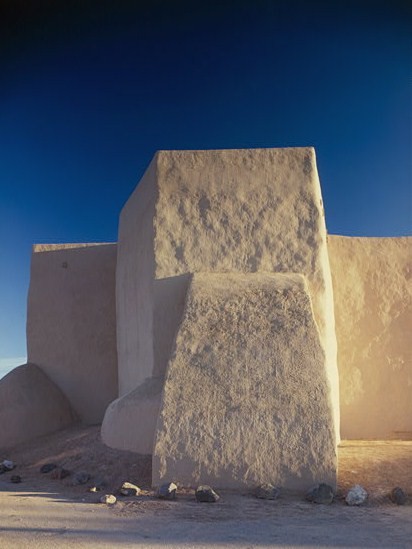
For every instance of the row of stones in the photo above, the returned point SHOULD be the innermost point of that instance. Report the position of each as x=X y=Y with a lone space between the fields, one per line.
x=321 y=493
x=357 y=495
x=203 y=494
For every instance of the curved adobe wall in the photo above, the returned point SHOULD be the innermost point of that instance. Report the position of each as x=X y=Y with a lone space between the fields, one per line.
x=30 y=406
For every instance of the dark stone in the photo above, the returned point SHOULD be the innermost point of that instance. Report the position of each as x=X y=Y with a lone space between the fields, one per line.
x=80 y=478
x=6 y=466
x=60 y=473
x=398 y=496
x=167 y=491
x=206 y=494
x=47 y=467
x=16 y=479
x=321 y=493
x=267 y=491
x=98 y=484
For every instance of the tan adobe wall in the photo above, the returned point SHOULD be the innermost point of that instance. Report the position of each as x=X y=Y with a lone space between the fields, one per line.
x=134 y=285
x=219 y=211
x=130 y=421
x=30 y=406
x=246 y=396
x=71 y=323
x=372 y=284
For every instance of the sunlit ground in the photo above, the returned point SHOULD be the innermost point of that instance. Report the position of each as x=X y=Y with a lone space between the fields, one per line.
x=377 y=465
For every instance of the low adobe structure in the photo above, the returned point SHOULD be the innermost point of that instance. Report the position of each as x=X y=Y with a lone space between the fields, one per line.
x=217 y=331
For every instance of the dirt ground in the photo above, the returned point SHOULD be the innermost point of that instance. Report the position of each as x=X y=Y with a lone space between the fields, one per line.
x=44 y=513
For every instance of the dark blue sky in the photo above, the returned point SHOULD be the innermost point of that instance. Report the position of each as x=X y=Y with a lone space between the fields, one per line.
x=90 y=90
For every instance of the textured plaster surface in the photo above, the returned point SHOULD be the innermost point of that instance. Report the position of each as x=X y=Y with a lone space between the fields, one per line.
x=134 y=285
x=218 y=211
x=169 y=299
x=30 y=406
x=130 y=421
x=71 y=323
x=372 y=279
x=246 y=397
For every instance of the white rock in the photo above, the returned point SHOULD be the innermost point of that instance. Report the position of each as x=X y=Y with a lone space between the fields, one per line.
x=356 y=495
x=108 y=499
x=129 y=489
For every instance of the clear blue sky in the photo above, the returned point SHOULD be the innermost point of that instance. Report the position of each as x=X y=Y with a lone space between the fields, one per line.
x=90 y=90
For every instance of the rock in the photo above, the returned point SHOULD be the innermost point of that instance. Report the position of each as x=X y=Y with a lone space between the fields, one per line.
x=321 y=493
x=267 y=491
x=108 y=499
x=398 y=496
x=80 y=478
x=47 y=467
x=167 y=491
x=16 y=479
x=129 y=489
x=356 y=495
x=60 y=473
x=206 y=494
x=94 y=489
x=8 y=465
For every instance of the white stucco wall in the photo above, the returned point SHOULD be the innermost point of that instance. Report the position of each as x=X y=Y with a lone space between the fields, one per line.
x=372 y=280
x=219 y=211
x=246 y=395
x=71 y=323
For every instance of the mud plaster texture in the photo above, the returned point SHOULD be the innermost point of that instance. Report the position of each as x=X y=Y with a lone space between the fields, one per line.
x=71 y=323
x=373 y=309
x=130 y=421
x=224 y=211
x=246 y=397
x=30 y=406
x=134 y=285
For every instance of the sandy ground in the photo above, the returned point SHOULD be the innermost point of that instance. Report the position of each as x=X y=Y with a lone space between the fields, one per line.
x=45 y=513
